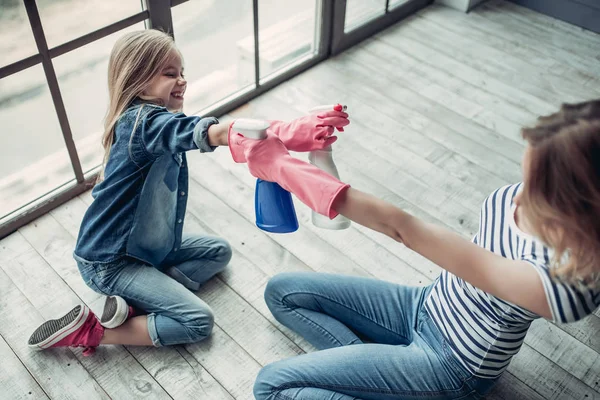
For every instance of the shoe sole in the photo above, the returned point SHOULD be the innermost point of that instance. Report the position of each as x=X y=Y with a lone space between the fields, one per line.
x=115 y=312
x=53 y=331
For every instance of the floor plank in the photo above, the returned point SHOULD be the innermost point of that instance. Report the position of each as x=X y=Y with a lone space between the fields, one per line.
x=15 y=380
x=514 y=40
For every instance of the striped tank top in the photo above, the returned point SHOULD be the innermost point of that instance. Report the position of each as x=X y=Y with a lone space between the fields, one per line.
x=484 y=331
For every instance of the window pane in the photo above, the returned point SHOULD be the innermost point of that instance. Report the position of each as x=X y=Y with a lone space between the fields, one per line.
x=359 y=12
x=286 y=33
x=68 y=19
x=33 y=156
x=207 y=33
x=16 y=38
x=396 y=3
x=82 y=77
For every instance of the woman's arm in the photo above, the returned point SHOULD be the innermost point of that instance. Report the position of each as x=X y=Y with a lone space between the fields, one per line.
x=514 y=281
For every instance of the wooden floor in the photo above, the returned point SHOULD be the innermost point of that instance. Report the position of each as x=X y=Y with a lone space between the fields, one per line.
x=436 y=103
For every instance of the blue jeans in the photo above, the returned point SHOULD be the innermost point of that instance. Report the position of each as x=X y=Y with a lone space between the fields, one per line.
x=376 y=341
x=175 y=314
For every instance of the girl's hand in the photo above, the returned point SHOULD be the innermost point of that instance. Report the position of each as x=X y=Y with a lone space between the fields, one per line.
x=311 y=132
x=217 y=135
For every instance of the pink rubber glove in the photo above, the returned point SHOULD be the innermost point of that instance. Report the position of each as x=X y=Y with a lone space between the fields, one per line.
x=269 y=160
x=311 y=132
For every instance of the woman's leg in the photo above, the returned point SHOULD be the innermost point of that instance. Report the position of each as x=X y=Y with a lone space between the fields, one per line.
x=339 y=314
x=197 y=260
x=337 y=310
x=367 y=372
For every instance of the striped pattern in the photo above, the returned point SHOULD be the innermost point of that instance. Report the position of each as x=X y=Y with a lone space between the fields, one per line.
x=485 y=331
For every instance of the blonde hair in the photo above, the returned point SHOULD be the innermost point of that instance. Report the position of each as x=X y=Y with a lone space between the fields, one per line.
x=135 y=60
x=562 y=191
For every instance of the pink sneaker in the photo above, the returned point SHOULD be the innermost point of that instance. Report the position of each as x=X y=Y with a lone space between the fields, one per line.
x=78 y=328
x=116 y=312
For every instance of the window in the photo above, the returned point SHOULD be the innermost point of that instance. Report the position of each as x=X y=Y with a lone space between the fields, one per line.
x=34 y=158
x=53 y=99
x=360 y=12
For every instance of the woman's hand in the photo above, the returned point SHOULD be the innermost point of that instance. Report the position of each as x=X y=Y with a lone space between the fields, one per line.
x=311 y=132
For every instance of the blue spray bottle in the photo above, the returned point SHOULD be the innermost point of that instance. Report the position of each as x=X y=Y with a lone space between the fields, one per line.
x=273 y=206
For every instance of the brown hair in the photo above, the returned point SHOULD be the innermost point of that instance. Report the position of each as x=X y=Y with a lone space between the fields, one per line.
x=561 y=194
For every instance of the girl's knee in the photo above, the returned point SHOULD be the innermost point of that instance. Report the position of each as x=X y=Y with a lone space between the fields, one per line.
x=223 y=252
x=201 y=326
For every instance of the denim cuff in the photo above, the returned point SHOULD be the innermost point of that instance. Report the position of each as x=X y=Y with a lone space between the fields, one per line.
x=201 y=134
x=152 y=330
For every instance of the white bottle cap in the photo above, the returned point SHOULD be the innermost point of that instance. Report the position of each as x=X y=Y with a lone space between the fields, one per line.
x=251 y=128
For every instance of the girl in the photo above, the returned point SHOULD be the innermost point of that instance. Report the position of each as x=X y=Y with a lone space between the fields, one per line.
x=130 y=245
x=537 y=254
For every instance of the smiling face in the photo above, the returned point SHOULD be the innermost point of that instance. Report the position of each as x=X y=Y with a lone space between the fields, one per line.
x=168 y=85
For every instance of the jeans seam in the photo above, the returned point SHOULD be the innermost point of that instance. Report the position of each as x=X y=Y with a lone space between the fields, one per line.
x=317 y=325
x=348 y=308
x=423 y=393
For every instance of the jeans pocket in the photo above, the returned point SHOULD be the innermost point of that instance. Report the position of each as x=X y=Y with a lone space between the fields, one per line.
x=98 y=275
x=87 y=269
x=106 y=273
x=88 y=272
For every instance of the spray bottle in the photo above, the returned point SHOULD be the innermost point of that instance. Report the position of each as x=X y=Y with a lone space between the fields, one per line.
x=323 y=159
x=273 y=206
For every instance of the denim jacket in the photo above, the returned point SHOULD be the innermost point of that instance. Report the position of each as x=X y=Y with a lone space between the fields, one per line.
x=139 y=207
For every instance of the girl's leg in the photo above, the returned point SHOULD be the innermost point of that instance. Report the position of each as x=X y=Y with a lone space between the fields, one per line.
x=337 y=310
x=175 y=315
x=197 y=260
x=132 y=332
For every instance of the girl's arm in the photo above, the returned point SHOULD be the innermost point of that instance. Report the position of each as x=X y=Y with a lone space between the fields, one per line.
x=217 y=134
x=514 y=281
